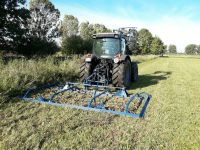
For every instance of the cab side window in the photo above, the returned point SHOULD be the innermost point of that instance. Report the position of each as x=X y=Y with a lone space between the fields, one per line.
x=123 y=45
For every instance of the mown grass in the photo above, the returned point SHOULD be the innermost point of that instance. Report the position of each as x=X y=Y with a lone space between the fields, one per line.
x=172 y=119
x=143 y=58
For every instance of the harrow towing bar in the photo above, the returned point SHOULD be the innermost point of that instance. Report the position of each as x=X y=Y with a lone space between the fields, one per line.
x=96 y=93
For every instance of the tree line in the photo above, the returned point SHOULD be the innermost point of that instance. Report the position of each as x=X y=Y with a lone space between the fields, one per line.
x=77 y=38
x=34 y=31
x=190 y=49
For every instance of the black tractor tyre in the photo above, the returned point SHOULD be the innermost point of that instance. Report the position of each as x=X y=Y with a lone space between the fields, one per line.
x=85 y=71
x=121 y=75
x=134 y=74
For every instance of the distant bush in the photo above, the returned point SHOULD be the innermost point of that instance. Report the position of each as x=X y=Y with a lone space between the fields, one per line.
x=172 y=49
x=192 y=49
x=72 y=45
x=76 y=45
x=37 y=46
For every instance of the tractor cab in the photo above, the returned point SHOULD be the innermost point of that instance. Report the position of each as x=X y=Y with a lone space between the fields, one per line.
x=108 y=45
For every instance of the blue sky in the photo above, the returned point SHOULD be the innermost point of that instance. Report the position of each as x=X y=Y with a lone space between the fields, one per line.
x=175 y=22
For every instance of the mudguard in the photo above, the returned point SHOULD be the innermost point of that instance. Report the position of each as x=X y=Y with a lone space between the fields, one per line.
x=88 y=58
x=125 y=57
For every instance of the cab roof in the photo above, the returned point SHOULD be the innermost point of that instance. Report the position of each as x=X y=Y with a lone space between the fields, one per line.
x=104 y=35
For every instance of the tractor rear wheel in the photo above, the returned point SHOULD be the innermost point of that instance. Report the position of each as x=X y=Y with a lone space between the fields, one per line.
x=121 y=75
x=134 y=72
x=85 y=71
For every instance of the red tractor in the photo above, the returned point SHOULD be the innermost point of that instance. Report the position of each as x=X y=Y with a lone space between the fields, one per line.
x=110 y=61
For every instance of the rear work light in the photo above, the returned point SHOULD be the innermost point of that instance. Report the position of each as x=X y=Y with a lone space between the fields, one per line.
x=117 y=58
x=88 y=58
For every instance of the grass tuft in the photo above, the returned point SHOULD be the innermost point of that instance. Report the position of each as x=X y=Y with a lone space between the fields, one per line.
x=19 y=75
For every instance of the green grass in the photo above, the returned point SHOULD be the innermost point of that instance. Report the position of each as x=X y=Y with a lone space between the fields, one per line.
x=19 y=75
x=143 y=58
x=172 y=119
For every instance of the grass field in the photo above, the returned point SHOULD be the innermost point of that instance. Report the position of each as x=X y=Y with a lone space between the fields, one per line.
x=172 y=119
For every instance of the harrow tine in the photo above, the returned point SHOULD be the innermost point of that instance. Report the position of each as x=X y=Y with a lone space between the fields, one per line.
x=94 y=98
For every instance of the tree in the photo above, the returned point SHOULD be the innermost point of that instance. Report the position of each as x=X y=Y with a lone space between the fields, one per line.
x=13 y=22
x=198 y=49
x=172 y=49
x=43 y=29
x=157 y=46
x=69 y=26
x=86 y=32
x=72 y=45
x=35 y=3
x=191 y=49
x=44 y=22
x=99 y=28
x=165 y=49
x=144 y=38
x=39 y=47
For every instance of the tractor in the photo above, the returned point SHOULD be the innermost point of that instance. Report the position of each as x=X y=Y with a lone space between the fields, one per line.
x=110 y=61
x=109 y=64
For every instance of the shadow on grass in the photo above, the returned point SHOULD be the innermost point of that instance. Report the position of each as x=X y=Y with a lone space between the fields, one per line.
x=150 y=79
x=164 y=56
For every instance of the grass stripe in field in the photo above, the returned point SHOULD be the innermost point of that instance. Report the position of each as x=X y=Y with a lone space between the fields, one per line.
x=175 y=98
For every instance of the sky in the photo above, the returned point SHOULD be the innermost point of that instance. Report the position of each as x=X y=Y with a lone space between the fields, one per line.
x=174 y=21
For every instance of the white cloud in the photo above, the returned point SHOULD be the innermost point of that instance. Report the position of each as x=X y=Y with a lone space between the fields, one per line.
x=171 y=29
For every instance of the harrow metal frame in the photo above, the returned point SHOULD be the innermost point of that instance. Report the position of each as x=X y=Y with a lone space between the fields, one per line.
x=121 y=92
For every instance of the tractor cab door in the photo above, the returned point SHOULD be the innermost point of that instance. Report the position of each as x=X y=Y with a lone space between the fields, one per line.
x=123 y=46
